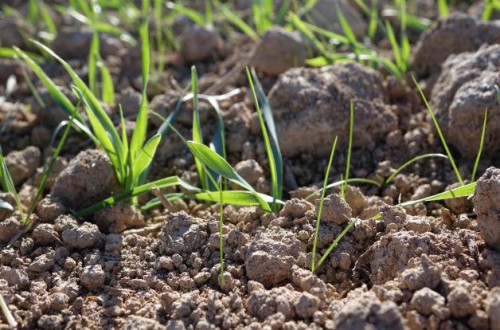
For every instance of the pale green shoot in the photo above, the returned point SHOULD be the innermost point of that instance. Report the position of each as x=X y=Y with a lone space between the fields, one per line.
x=411 y=161
x=320 y=210
x=441 y=136
x=443 y=9
x=481 y=144
x=349 y=149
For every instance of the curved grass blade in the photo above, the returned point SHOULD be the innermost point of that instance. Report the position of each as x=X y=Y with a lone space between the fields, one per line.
x=145 y=156
x=349 y=150
x=441 y=136
x=219 y=165
x=240 y=24
x=411 y=161
x=320 y=211
x=462 y=191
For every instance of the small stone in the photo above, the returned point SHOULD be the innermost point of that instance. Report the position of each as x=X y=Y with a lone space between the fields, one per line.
x=85 y=236
x=92 y=277
x=307 y=305
x=424 y=300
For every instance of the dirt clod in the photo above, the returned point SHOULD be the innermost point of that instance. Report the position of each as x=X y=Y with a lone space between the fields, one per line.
x=311 y=106
x=81 y=237
x=89 y=178
x=92 y=277
x=23 y=164
x=486 y=205
x=278 y=51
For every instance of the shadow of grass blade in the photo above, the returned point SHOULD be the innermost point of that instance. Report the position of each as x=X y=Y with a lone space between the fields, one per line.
x=8 y=184
x=268 y=130
x=320 y=211
x=438 y=129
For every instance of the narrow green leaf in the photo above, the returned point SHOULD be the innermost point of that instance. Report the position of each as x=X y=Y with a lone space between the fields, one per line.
x=349 y=149
x=145 y=156
x=93 y=58
x=320 y=210
x=108 y=91
x=441 y=136
x=481 y=144
x=8 y=184
x=394 y=45
x=462 y=191
x=240 y=24
x=411 y=161
x=196 y=130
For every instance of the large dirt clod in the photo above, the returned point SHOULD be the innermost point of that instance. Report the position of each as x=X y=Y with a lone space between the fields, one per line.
x=88 y=179
x=487 y=206
x=456 y=34
x=23 y=164
x=311 y=106
x=278 y=51
x=461 y=95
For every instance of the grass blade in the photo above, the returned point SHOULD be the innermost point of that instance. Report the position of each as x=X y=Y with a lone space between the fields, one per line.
x=443 y=8
x=6 y=206
x=481 y=144
x=462 y=191
x=341 y=182
x=336 y=242
x=145 y=157
x=212 y=160
x=8 y=315
x=240 y=24
x=93 y=58
x=272 y=146
x=196 y=131
x=320 y=211
x=8 y=184
x=438 y=129
x=349 y=149
x=108 y=91
x=411 y=161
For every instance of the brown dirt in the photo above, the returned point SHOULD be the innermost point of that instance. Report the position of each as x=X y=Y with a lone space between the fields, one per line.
x=432 y=266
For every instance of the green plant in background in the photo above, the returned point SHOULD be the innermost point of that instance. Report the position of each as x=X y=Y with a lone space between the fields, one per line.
x=490 y=6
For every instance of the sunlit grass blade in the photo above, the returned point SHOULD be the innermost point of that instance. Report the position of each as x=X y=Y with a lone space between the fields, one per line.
x=394 y=45
x=411 y=161
x=139 y=190
x=92 y=64
x=140 y=131
x=270 y=139
x=108 y=137
x=193 y=15
x=89 y=98
x=481 y=144
x=196 y=130
x=349 y=150
x=145 y=156
x=320 y=210
x=441 y=136
x=240 y=24
x=336 y=242
x=8 y=184
x=307 y=31
x=443 y=8
x=462 y=191
x=48 y=21
x=56 y=94
x=348 y=32
x=212 y=160
x=13 y=52
x=108 y=90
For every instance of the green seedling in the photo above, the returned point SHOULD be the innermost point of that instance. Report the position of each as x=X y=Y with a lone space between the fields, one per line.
x=491 y=5
x=411 y=161
x=270 y=136
x=219 y=165
x=441 y=136
x=320 y=210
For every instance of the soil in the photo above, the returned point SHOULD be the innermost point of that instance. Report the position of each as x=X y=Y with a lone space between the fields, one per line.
x=430 y=266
